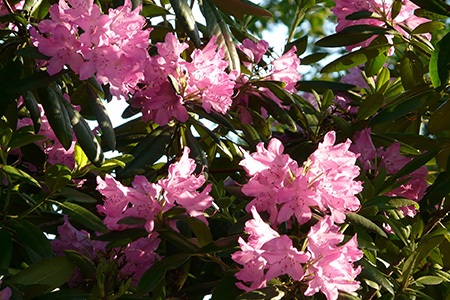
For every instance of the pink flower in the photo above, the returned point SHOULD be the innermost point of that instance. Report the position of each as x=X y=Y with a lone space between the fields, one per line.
x=285 y=69
x=139 y=201
x=266 y=255
x=332 y=268
x=203 y=80
x=140 y=256
x=254 y=51
x=331 y=171
x=181 y=187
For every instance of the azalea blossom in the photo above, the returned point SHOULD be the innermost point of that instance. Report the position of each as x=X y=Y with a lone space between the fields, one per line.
x=112 y=47
x=201 y=81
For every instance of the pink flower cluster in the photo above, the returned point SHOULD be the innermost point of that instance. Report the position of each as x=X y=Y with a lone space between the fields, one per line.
x=383 y=8
x=326 y=266
x=283 y=189
x=326 y=182
x=203 y=80
x=112 y=46
x=4 y=11
x=145 y=200
x=373 y=160
x=136 y=258
x=283 y=69
x=56 y=153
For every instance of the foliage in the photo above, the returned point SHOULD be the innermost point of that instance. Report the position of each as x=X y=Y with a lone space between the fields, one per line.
x=231 y=158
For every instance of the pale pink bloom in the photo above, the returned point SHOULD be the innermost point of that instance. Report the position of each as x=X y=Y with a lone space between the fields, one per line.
x=139 y=201
x=266 y=255
x=140 y=256
x=285 y=69
x=254 y=51
x=362 y=144
x=296 y=200
x=283 y=258
x=332 y=269
x=181 y=187
x=331 y=171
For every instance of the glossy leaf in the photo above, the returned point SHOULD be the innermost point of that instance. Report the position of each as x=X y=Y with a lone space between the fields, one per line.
x=82 y=216
x=6 y=248
x=365 y=223
x=34 y=240
x=439 y=63
x=240 y=8
x=155 y=274
x=57 y=176
x=186 y=19
x=371 y=272
x=19 y=174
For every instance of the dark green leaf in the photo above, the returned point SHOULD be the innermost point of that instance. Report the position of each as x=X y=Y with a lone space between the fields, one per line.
x=82 y=262
x=370 y=106
x=19 y=174
x=156 y=273
x=57 y=176
x=301 y=44
x=321 y=86
x=57 y=115
x=102 y=117
x=132 y=221
x=365 y=223
x=82 y=216
x=416 y=163
x=6 y=248
x=439 y=63
x=313 y=58
x=33 y=108
x=426 y=27
x=351 y=35
x=371 y=272
x=74 y=195
x=240 y=8
x=411 y=70
x=217 y=27
x=439 y=120
x=267 y=293
x=65 y=294
x=363 y=14
x=186 y=19
x=396 y=8
x=153 y=10
x=34 y=240
x=201 y=231
x=355 y=58
x=51 y=273
x=436 y=6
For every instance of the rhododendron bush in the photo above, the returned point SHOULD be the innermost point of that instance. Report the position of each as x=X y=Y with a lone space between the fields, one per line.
x=242 y=168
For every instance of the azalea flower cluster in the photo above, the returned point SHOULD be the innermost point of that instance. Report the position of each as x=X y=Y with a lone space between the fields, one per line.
x=382 y=9
x=373 y=160
x=131 y=259
x=142 y=201
x=112 y=47
x=288 y=193
x=283 y=69
x=171 y=82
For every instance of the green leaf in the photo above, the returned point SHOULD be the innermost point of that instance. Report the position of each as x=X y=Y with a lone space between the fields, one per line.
x=439 y=120
x=439 y=61
x=355 y=58
x=396 y=8
x=57 y=176
x=82 y=216
x=65 y=294
x=75 y=195
x=321 y=86
x=351 y=35
x=153 y=10
x=416 y=163
x=426 y=27
x=122 y=238
x=216 y=26
x=411 y=70
x=102 y=117
x=426 y=245
x=313 y=58
x=370 y=106
x=33 y=108
x=371 y=272
x=436 y=6
x=82 y=262
x=240 y=8
x=156 y=273
x=22 y=137
x=147 y=151
x=34 y=240
x=226 y=289
x=56 y=115
x=267 y=293
x=401 y=202
x=201 y=231
x=301 y=44
x=85 y=137
x=186 y=19
x=6 y=248
x=429 y=280
x=132 y=221
x=20 y=175
x=374 y=65
x=50 y=273
x=365 y=223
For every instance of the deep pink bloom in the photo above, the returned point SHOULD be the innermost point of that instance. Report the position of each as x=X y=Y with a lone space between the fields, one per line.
x=140 y=256
x=181 y=187
x=139 y=201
